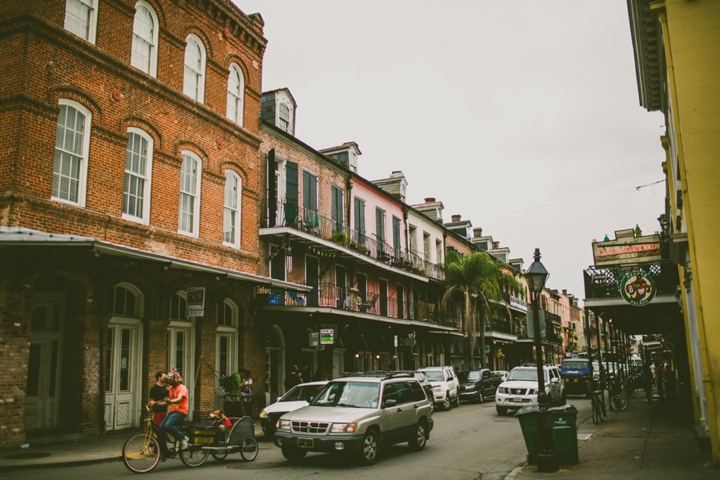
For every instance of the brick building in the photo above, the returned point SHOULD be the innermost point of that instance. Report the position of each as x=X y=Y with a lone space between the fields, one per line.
x=346 y=238
x=130 y=175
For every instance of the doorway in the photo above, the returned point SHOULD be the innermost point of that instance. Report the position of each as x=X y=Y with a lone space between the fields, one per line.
x=45 y=361
x=274 y=365
x=122 y=374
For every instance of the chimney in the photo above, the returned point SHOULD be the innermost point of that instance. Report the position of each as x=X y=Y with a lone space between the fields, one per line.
x=496 y=245
x=456 y=218
x=430 y=200
x=565 y=291
x=477 y=232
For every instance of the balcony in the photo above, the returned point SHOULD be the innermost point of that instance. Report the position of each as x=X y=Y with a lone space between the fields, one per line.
x=310 y=224
x=353 y=300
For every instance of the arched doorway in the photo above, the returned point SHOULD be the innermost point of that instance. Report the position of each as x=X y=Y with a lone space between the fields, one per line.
x=274 y=364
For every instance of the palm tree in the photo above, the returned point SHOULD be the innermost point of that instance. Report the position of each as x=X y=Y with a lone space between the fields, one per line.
x=476 y=276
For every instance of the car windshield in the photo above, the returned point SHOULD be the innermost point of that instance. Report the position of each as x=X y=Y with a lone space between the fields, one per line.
x=575 y=364
x=524 y=375
x=434 y=375
x=348 y=394
x=301 y=392
x=469 y=376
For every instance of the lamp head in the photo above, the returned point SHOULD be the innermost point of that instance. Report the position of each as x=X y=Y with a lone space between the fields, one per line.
x=537 y=275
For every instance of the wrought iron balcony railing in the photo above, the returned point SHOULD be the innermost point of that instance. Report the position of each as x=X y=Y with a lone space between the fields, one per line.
x=605 y=282
x=299 y=218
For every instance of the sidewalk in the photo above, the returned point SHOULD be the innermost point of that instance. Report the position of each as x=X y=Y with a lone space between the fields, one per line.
x=644 y=441
x=71 y=450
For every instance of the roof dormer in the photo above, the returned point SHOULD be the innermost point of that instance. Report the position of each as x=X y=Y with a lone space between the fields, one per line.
x=278 y=108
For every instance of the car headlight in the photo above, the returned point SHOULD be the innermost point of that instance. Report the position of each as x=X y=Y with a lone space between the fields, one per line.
x=283 y=424
x=501 y=390
x=343 y=427
x=437 y=388
x=263 y=414
x=531 y=391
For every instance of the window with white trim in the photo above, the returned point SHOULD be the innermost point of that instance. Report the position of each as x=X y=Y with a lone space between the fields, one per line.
x=145 y=39
x=236 y=89
x=194 y=82
x=72 y=143
x=189 y=208
x=227 y=338
x=231 y=214
x=81 y=18
x=138 y=169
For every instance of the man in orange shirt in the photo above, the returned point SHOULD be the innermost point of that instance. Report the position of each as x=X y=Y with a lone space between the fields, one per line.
x=178 y=401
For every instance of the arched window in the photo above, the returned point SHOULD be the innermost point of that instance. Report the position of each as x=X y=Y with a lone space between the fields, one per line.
x=231 y=214
x=72 y=143
x=236 y=89
x=127 y=301
x=189 y=211
x=145 y=39
x=81 y=18
x=194 y=85
x=138 y=170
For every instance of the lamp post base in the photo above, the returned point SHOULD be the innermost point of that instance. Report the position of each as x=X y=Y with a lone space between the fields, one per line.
x=548 y=462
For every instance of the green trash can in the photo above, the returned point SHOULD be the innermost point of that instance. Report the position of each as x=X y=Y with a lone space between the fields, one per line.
x=529 y=426
x=564 y=429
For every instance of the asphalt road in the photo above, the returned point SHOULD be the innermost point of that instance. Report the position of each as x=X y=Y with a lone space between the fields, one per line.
x=469 y=442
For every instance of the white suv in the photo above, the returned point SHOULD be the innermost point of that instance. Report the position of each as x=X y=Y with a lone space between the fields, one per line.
x=358 y=414
x=520 y=389
x=446 y=385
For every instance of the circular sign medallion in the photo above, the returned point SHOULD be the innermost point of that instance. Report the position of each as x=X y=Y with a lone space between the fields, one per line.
x=637 y=288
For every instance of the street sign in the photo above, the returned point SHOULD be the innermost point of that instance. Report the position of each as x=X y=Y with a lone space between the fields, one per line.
x=531 y=323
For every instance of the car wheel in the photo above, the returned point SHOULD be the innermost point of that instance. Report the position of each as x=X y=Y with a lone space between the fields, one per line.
x=446 y=401
x=480 y=398
x=293 y=454
x=369 y=449
x=501 y=410
x=417 y=442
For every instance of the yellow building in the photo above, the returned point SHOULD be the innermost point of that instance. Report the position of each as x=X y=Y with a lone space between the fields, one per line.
x=677 y=56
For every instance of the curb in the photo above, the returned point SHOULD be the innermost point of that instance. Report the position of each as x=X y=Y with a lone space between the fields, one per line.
x=516 y=471
x=76 y=463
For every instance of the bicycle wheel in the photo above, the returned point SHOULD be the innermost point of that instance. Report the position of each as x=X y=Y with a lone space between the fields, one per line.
x=618 y=402
x=194 y=455
x=249 y=448
x=141 y=453
x=220 y=456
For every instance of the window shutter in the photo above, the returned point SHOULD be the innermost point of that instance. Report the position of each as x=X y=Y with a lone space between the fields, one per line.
x=291 y=179
x=272 y=194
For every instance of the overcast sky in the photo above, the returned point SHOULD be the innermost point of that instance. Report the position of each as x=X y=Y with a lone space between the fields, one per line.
x=521 y=116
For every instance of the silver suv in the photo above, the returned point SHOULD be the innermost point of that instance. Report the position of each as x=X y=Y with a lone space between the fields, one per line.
x=358 y=414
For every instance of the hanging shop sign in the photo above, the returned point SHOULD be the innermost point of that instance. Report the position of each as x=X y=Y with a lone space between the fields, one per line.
x=627 y=250
x=637 y=288
x=327 y=336
x=195 y=301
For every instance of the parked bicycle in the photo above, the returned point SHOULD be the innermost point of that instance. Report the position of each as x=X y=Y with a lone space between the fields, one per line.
x=598 y=408
x=618 y=396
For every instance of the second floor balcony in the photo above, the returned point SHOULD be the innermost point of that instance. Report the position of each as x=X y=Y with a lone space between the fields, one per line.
x=311 y=225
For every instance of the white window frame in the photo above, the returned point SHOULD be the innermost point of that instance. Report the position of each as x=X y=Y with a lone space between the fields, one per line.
x=188 y=155
x=84 y=157
x=231 y=176
x=151 y=67
x=231 y=333
x=92 y=12
x=145 y=218
x=235 y=94
x=199 y=94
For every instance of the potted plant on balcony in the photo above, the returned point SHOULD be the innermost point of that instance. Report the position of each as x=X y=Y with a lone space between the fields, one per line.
x=340 y=238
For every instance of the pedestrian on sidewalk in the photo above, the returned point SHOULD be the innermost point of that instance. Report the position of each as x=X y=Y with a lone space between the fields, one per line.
x=647 y=381
x=659 y=380
x=247 y=393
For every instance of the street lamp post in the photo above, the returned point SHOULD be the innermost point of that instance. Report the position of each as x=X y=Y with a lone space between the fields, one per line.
x=548 y=460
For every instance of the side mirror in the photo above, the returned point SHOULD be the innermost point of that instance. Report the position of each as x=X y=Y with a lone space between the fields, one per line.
x=390 y=402
x=554 y=380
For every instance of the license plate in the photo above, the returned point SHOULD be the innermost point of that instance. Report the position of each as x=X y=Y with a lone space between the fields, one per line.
x=517 y=399
x=305 y=442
